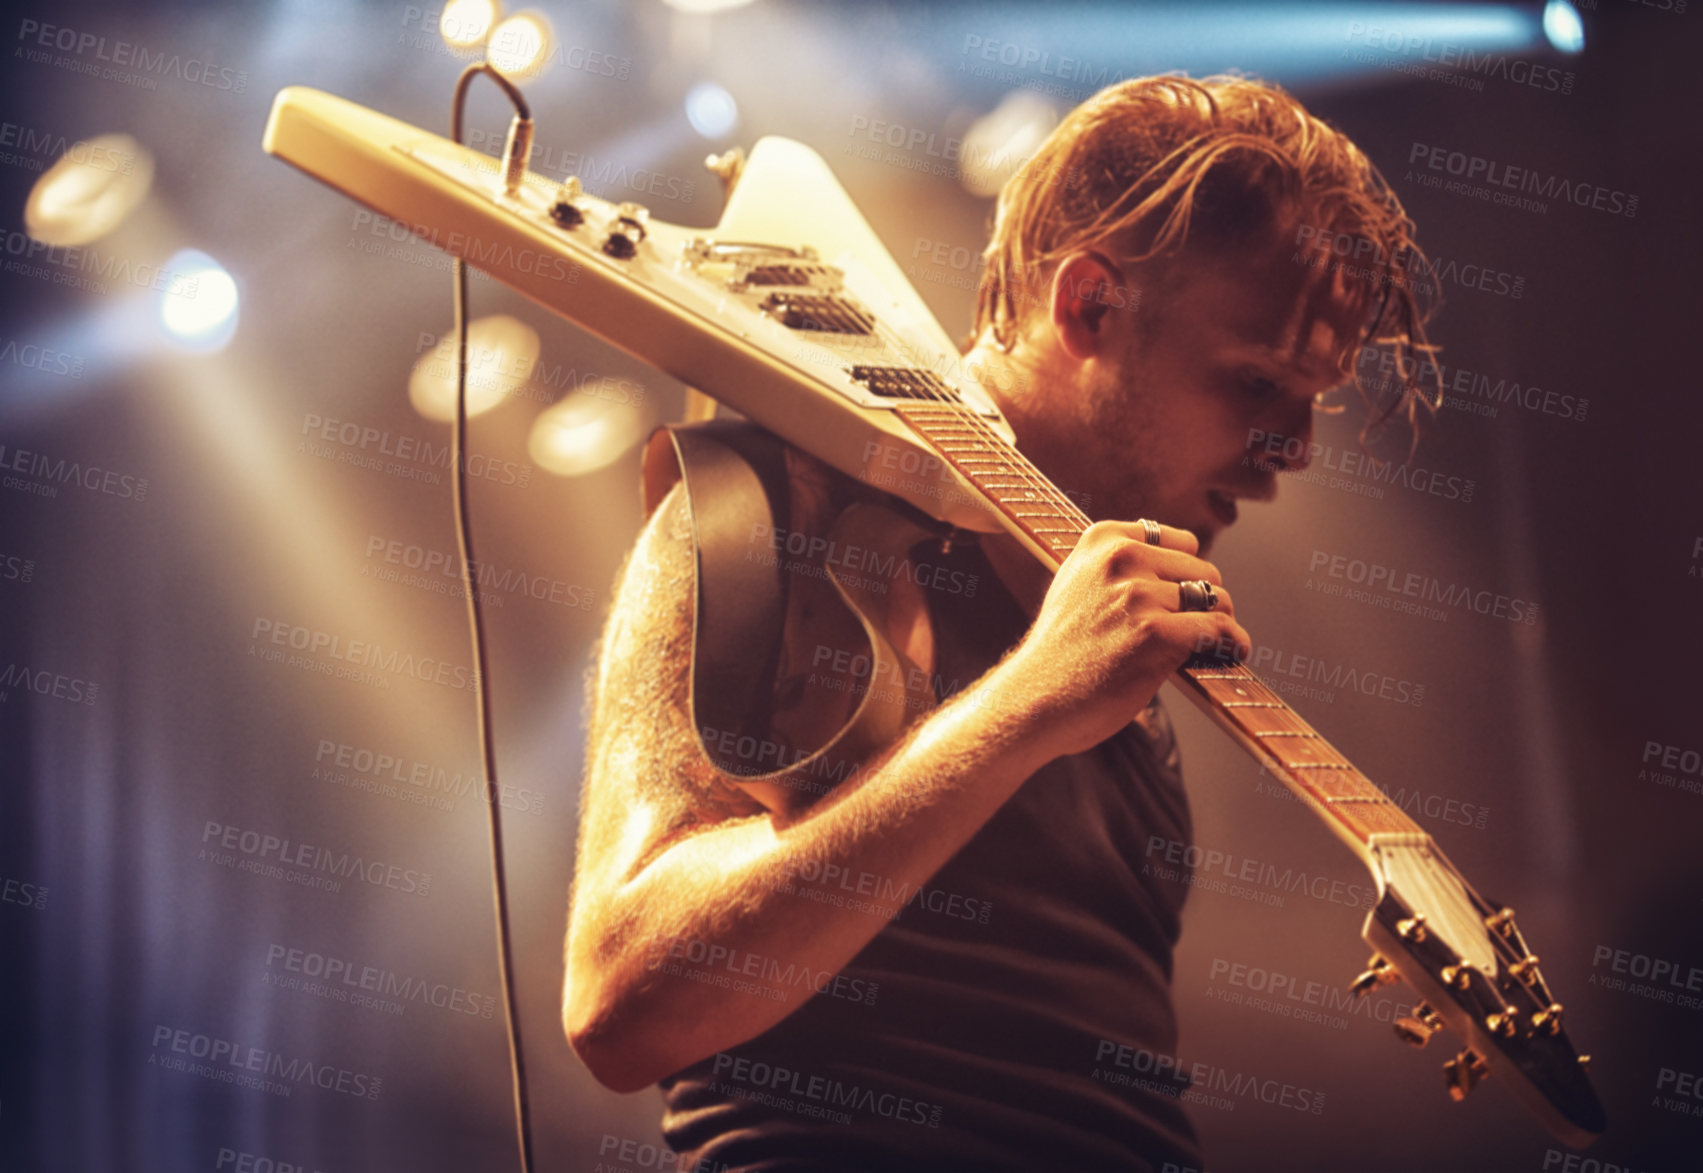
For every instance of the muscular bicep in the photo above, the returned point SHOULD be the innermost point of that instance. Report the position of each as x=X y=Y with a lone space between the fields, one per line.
x=647 y=783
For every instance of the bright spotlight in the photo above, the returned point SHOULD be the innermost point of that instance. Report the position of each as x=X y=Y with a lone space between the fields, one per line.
x=199 y=305
x=1561 y=24
x=521 y=45
x=501 y=352
x=465 y=24
x=1000 y=142
x=582 y=434
x=89 y=190
x=711 y=110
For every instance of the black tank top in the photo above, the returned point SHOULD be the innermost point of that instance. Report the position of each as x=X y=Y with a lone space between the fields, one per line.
x=1014 y=1015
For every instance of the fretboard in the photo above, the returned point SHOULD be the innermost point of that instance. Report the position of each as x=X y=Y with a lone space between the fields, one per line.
x=1274 y=733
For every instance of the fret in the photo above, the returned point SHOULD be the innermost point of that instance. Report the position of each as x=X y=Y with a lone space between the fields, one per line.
x=1297 y=753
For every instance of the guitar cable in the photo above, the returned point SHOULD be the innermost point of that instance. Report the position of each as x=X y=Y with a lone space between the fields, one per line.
x=514 y=166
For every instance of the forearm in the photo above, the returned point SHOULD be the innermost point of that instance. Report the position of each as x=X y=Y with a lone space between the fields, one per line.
x=724 y=901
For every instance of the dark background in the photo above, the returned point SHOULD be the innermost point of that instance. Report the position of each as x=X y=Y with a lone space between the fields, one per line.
x=114 y=928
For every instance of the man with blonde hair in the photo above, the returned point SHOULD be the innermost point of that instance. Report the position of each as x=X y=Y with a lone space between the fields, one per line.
x=952 y=958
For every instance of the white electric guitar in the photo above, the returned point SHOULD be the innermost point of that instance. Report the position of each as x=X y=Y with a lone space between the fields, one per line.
x=793 y=313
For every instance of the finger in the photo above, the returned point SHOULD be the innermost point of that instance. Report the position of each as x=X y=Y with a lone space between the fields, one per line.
x=1222 y=603
x=1170 y=537
x=1168 y=565
x=1211 y=633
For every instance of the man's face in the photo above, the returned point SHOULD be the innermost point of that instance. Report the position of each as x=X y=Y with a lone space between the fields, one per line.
x=1224 y=353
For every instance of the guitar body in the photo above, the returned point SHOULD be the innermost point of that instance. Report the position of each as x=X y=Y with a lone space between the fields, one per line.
x=792 y=312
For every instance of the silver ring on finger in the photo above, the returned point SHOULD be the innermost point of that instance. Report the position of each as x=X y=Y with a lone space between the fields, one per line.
x=1151 y=531
x=1196 y=595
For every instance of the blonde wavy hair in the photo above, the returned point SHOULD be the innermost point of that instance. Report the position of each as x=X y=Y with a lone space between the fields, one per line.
x=1152 y=166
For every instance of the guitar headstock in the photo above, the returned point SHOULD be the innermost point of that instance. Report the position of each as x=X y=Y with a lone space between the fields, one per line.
x=1474 y=974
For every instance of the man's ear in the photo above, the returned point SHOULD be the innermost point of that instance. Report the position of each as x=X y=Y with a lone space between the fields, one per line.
x=1085 y=287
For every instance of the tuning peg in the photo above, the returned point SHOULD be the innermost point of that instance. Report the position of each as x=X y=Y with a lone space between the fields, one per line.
x=1413 y=928
x=1462 y=1073
x=1458 y=976
x=1378 y=973
x=1417 y=1028
x=1549 y=1018
x=1504 y=1022
x=1501 y=921
x=1524 y=966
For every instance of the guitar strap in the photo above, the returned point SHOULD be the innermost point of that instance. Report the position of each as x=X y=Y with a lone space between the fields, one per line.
x=735 y=478
x=736 y=481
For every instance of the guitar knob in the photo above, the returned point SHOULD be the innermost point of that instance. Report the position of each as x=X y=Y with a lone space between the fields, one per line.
x=564 y=210
x=1458 y=976
x=1549 y=1018
x=1463 y=1073
x=1412 y=929
x=629 y=230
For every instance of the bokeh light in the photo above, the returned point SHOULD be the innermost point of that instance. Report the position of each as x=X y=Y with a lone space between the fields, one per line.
x=521 y=45
x=199 y=304
x=501 y=354
x=89 y=191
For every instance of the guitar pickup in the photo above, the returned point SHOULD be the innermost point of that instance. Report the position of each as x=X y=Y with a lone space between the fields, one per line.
x=818 y=312
x=905 y=383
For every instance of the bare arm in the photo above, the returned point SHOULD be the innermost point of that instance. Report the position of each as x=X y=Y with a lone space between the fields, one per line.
x=672 y=855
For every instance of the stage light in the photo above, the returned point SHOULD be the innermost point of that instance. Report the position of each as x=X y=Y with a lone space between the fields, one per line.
x=1000 y=142
x=1561 y=24
x=89 y=190
x=582 y=434
x=521 y=45
x=466 y=23
x=501 y=353
x=711 y=110
x=199 y=305
x=705 y=7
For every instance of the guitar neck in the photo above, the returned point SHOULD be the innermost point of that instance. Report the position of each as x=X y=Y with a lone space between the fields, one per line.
x=1231 y=694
